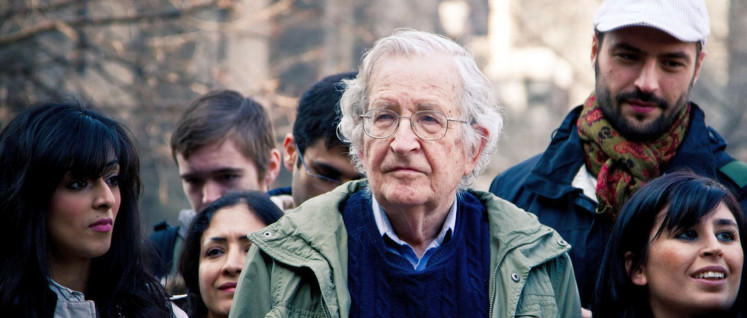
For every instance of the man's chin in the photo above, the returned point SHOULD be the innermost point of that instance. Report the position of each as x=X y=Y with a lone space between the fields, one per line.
x=403 y=196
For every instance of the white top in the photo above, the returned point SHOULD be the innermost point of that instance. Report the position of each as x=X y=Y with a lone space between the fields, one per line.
x=587 y=182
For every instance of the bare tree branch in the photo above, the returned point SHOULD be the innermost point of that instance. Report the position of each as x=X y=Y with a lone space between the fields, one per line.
x=36 y=7
x=60 y=24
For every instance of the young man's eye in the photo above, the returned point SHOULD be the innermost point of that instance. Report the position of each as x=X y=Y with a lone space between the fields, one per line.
x=328 y=175
x=628 y=57
x=229 y=177
x=192 y=181
x=672 y=65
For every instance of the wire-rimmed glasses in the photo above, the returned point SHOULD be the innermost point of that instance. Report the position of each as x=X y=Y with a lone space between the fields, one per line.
x=314 y=175
x=426 y=124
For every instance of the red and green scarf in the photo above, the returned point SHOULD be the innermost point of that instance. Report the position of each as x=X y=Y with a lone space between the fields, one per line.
x=621 y=166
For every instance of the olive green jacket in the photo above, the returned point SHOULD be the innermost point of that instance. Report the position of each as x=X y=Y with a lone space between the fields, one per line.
x=297 y=267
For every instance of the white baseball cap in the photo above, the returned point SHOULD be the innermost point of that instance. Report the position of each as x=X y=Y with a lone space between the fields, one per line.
x=685 y=20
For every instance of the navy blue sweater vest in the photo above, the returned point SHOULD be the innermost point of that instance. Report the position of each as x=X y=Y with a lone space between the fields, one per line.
x=384 y=284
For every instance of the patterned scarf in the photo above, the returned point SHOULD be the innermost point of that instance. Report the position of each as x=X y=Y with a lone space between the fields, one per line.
x=621 y=166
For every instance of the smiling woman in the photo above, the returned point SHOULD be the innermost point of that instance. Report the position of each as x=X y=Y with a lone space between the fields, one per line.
x=216 y=246
x=691 y=262
x=69 y=188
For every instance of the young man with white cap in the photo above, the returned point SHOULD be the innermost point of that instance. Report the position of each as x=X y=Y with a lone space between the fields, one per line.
x=637 y=125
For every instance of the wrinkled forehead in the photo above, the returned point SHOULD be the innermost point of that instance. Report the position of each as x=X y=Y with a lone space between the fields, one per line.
x=427 y=81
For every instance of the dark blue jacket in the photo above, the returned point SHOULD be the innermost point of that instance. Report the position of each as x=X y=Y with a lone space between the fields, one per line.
x=542 y=185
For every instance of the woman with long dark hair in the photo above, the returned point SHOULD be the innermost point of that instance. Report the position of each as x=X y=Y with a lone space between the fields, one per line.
x=675 y=251
x=215 y=249
x=69 y=190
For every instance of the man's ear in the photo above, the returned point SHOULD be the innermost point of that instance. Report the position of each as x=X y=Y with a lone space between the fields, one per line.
x=638 y=275
x=698 y=62
x=289 y=155
x=273 y=168
x=360 y=156
x=476 y=151
x=594 y=49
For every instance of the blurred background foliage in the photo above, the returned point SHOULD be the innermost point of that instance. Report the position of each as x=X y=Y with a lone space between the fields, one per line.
x=143 y=61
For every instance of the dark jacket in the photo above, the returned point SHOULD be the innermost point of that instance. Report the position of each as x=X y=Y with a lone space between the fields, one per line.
x=165 y=241
x=542 y=185
x=161 y=244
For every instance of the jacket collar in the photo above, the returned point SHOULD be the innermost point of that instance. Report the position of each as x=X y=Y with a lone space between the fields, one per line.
x=315 y=230
x=313 y=236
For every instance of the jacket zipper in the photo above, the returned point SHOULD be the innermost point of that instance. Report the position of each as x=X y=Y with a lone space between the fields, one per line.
x=325 y=309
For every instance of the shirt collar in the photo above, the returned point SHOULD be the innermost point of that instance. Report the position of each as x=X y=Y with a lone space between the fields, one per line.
x=65 y=293
x=385 y=227
x=587 y=182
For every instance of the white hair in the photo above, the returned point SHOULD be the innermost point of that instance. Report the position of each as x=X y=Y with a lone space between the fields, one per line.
x=478 y=103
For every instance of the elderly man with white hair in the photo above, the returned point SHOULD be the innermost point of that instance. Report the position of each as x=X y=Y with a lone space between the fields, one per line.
x=411 y=239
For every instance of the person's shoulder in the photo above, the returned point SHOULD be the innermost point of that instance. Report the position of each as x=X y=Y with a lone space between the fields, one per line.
x=280 y=191
x=161 y=226
x=317 y=218
x=163 y=229
x=283 y=201
x=511 y=178
x=522 y=168
x=504 y=213
x=518 y=228
x=507 y=183
x=733 y=169
x=736 y=171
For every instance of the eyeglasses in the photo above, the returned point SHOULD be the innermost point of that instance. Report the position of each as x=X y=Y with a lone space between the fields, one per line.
x=426 y=124
x=311 y=174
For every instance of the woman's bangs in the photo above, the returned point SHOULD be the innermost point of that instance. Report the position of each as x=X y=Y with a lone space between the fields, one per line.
x=93 y=149
x=694 y=203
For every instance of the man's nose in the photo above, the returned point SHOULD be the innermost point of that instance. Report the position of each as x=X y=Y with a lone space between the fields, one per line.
x=648 y=78
x=210 y=192
x=404 y=137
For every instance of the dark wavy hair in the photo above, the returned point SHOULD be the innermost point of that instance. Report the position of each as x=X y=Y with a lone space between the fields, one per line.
x=189 y=259
x=37 y=148
x=687 y=198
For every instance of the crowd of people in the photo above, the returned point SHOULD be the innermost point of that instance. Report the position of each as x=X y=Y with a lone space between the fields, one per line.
x=635 y=209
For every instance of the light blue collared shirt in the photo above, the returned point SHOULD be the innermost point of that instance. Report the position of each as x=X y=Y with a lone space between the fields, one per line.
x=404 y=249
x=71 y=303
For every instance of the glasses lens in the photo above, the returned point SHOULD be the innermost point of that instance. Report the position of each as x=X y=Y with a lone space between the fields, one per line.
x=379 y=123
x=322 y=181
x=429 y=124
